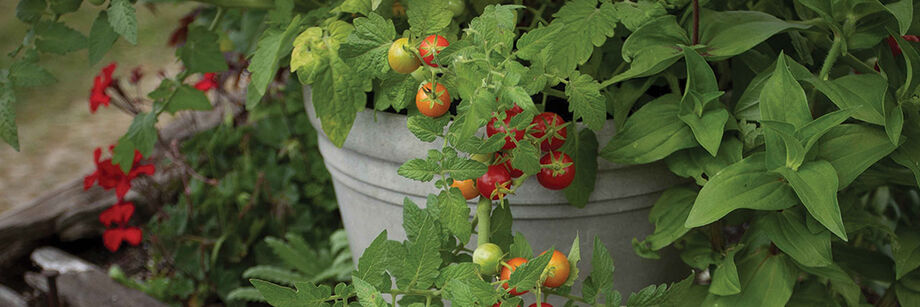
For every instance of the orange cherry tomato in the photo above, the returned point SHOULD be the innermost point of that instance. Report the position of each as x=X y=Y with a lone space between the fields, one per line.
x=506 y=273
x=557 y=270
x=467 y=187
x=432 y=103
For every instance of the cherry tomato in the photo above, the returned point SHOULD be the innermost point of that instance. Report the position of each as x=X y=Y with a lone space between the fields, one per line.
x=401 y=60
x=557 y=270
x=457 y=7
x=558 y=171
x=505 y=159
x=541 y=305
x=493 y=128
x=549 y=122
x=433 y=44
x=497 y=175
x=488 y=256
x=467 y=187
x=506 y=273
x=432 y=104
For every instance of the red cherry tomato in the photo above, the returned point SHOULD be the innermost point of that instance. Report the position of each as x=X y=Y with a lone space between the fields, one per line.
x=558 y=270
x=494 y=128
x=496 y=176
x=506 y=273
x=433 y=44
x=505 y=159
x=432 y=104
x=558 y=171
x=549 y=122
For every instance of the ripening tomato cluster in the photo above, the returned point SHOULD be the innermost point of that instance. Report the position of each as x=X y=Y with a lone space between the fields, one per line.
x=432 y=101
x=489 y=258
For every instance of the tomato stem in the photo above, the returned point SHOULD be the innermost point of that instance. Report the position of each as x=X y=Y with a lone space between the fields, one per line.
x=483 y=208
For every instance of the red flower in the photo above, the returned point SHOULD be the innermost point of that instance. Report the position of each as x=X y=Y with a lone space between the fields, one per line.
x=102 y=81
x=893 y=44
x=207 y=82
x=118 y=214
x=110 y=175
x=112 y=237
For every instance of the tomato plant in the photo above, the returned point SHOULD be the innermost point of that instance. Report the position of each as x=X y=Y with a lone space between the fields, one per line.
x=557 y=272
x=400 y=59
x=494 y=184
x=488 y=256
x=495 y=127
x=557 y=172
x=430 y=47
x=553 y=127
x=432 y=102
x=511 y=266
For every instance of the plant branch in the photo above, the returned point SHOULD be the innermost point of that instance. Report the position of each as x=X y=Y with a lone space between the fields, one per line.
x=696 y=22
x=483 y=208
x=831 y=58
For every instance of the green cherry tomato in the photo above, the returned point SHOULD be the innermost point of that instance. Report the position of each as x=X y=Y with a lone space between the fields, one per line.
x=400 y=58
x=488 y=256
x=458 y=7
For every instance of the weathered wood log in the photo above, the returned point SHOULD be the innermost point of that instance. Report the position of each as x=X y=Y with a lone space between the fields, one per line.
x=10 y=298
x=68 y=212
x=78 y=283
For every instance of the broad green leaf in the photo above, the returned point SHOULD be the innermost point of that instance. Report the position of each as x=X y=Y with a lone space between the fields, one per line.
x=526 y=276
x=418 y=169
x=871 y=265
x=462 y=168
x=397 y=91
x=101 y=38
x=494 y=28
x=526 y=158
x=308 y=57
x=306 y=294
x=501 y=226
x=428 y=16
x=810 y=133
x=27 y=73
x=419 y=268
x=585 y=157
x=457 y=271
x=141 y=136
x=908 y=155
x=187 y=98
x=743 y=185
x=8 y=131
x=123 y=19
x=729 y=33
x=55 y=37
x=652 y=48
x=650 y=134
x=30 y=11
x=601 y=279
x=668 y=214
x=699 y=107
x=459 y=293
x=363 y=7
x=586 y=101
x=577 y=28
x=201 y=52
x=815 y=183
x=374 y=261
x=338 y=96
x=273 y=45
x=766 y=280
x=454 y=214
x=695 y=162
x=574 y=257
x=912 y=68
x=791 y=148
x=787 y=230
x=426 y=128
x=368 y=296
x=903 y=11
x=725 y=279
x=621 y=100
x=281 y=13
x=520 y=247
x=636 y=14
x=851 y=149
x=366 y=47
x=907 y=253
x=894 y=124
x=841 y=282
x=782 y=100
x=906 y=296
x=863 y=94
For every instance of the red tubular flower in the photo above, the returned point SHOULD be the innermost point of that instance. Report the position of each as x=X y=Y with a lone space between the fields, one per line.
x=207 y=82
x=110 y=175
x=102 y=81
x=113 y=237
x=893 y=44
x=118 y=214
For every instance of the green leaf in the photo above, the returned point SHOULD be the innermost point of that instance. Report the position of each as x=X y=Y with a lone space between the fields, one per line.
x=306 y=295
x=725 y=279
x=396 y=90
x=308 y=57
x=458 y=271
x=282 y=13
x=863 y=94
x=101 y=38
x=636 y=14
x=601 y=278
x=454 y=214
x=426 y=128
x=841 y=282
x=366 y=47
x=731 y=33
x=187 y=98
x=428 y=16
x=363 y=7
x=699 y=107
x=787 y=230
x=782 y=100
x=907 y=253
x=912 y=64
x=123 y=19
x=374 y=261
x=585 y=157
x=696 y=162
x=501 y=226
x=419 y=268
x=894 y=124
x=30 y=11
x=668 y=214
x=745 y=184
x=274 y=274
x=55 y=37
x=906 y=296
x=526 y=158
x=851 y=149
x=908 y=155
x=650 y=134
x=815 y=183
x=526 y=276
x=418 y=169
x=61 y=7
x=273 y=45
x=574 y=257
x=653 y=48
x=141 y=136
x=520 y=247
x=338 y=97
x=201 y=52
x=766 y=280
x=810 y=133
x=792 y=149
x=8 y=131
x=903 y=11
x=586 y=101
x=368 y=296
x=577 y=28
x=27 y=73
